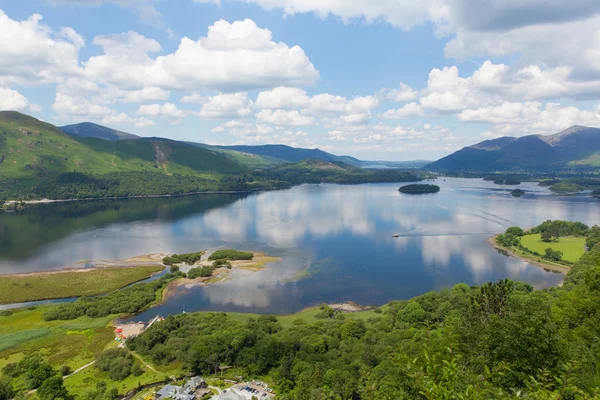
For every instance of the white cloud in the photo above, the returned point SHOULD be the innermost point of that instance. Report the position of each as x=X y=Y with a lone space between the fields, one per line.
x=284 y=118
x=282 y=97
x=166 y=110
x=78 y=108
x=404 y=93
x=233 y=105
x=11 y=100
x=32 y=53
x=249 y=133
x=408 y=110
x=195 y=98
x=232 y=57
x=530 y=118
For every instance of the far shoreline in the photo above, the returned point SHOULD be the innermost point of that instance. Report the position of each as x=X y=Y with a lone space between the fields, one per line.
x=542 y=264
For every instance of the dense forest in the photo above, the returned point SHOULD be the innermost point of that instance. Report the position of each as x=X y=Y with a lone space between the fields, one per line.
x=129 y=300
x=77 y=185
x=499 y=340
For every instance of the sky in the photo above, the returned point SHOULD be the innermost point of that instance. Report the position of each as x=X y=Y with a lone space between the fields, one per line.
x=374 y=79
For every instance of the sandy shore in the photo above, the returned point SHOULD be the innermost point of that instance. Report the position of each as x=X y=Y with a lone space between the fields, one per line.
x=531 y=260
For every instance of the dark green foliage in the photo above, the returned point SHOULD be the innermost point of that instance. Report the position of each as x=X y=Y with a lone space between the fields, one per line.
x=201 y=272
x=553 y=255
x=512 y=237
x=6 y=388
x=65 y=370
x=188 y=258
x=117 y=362
x=517 y=193
x=101 y=392
x=52 y=389
x=129 y=300
x=230 y=255
x=319 y=171
x=221 y=263
x=593 y=236
x=559 y=228
x=419 y=189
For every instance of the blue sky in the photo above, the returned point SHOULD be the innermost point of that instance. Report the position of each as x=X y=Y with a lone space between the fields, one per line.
x=385 y=79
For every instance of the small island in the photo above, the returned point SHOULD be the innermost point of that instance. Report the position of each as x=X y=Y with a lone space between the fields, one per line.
x=517 y=193
x=419 y=189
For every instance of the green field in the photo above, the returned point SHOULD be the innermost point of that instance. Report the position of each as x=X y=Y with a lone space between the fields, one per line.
x=64 y=284
x=571 y=247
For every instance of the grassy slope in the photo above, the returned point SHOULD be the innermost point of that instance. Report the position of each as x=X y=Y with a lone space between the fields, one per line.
x=22 y=288
x=572 y=247
x=34 y=149
x=74 y=343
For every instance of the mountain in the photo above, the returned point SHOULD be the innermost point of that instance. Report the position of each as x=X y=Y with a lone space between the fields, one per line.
x=292 y=154
x=34 y=150
x=576 y=147
x=88 y=129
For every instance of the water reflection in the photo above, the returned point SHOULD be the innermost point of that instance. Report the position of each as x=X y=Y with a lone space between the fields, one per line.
x=337 y=239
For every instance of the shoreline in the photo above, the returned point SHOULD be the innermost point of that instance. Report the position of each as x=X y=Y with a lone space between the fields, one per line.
x=150 y=196
x=259 y=262
x=529 y=259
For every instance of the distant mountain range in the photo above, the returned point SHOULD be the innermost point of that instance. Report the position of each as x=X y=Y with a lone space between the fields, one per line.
x=575 y=148
x=260 y=156
x=88 y=129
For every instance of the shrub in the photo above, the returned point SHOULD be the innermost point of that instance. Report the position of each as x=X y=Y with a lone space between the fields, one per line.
x=230 y=255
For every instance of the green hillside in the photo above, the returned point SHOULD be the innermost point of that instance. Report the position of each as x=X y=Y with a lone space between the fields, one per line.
x=32 y=149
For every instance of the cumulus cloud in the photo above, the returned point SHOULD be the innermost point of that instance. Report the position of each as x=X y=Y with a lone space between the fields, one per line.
x=402 y=94
x=166 y=110
x=221 y=106
x=408 y=110
x=32 y=53
x=232 y=57
x=78 y=108
x=12 y=100
x=284 y=118
x=530 y=118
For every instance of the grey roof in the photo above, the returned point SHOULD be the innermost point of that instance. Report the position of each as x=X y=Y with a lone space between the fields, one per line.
x=194 y=382
x=168 y=391
x=229 y=395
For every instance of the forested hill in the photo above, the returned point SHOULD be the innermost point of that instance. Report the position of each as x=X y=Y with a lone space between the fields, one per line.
x=39 y=160
x=575 y=148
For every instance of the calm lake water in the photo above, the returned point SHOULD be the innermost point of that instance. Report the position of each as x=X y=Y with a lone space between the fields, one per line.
x=335 y=242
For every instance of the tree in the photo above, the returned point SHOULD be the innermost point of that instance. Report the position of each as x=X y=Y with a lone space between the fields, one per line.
x=6 y=388
x=546 y=236
x=553 y=255
x=52 y=388
x=65 y=370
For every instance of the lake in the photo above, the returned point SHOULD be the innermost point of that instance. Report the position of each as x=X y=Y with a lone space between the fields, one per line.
x=335 y=242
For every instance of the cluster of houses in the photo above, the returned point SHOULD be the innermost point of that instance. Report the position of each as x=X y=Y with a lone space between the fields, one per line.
x=194 y=388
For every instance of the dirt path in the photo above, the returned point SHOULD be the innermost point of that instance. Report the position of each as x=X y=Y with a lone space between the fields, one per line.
x=150 y=367
x=66 y=376
x=80 y=369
